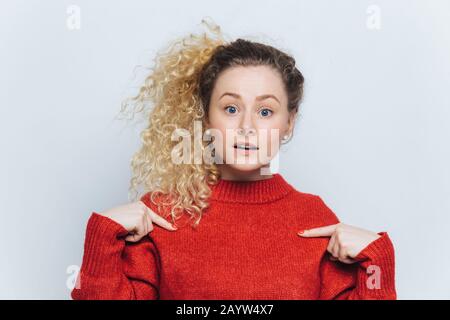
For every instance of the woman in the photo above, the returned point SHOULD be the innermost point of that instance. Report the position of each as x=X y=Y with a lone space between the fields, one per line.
x=259 y=237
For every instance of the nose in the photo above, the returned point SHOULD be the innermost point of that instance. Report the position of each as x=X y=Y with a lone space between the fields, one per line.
x=246 y=126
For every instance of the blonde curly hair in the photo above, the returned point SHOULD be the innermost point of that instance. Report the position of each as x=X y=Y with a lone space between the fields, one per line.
x=175 y=94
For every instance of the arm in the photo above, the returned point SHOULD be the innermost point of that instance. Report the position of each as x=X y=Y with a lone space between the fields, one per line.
x=371 y=277
x=113 y=269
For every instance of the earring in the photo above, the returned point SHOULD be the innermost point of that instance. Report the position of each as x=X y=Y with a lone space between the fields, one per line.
x=285 y=138
x=208 y=132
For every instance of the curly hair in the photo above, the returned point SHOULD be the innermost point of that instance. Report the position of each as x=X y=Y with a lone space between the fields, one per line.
x=178 y=91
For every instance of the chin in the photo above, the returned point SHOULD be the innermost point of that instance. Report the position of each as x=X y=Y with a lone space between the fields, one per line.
x=245 y=167
x=243 y=163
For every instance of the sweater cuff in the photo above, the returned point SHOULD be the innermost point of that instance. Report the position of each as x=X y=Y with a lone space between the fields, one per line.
x=102 y=248
x=378 y=249
x=376 y=276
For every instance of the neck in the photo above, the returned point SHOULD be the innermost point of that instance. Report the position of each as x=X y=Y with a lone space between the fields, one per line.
x=265 y=190
x=229 y=173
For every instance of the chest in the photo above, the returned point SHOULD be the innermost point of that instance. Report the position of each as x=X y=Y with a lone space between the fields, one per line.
x=249 y=258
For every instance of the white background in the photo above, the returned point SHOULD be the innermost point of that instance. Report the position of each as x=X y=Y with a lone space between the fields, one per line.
x=372 y=140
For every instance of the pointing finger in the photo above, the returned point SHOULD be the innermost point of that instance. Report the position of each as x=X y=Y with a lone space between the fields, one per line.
x=326 y=231
x=161 y=221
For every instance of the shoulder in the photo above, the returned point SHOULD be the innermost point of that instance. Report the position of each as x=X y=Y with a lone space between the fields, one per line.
x=153 y=200
x=162 y=205
x=314 y=209
x=146 y=199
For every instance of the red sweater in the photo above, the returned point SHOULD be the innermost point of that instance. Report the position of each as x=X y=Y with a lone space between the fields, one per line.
x=245 y=247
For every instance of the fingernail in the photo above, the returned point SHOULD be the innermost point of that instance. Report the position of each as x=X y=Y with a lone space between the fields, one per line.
x=301 y=232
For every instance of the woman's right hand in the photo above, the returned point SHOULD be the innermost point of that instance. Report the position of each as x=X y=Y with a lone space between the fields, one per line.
x=137 y=218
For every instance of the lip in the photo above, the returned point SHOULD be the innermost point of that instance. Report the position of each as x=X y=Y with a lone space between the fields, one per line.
x=248 y=145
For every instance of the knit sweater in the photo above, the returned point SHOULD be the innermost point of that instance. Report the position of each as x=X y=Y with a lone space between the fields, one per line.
x=245 y=247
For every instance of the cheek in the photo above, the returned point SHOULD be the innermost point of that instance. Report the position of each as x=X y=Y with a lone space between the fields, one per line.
x=273 y=129
x=272 y=133
x=221 y=123
x=220 y=130
x=270 y=140
x=219 y=120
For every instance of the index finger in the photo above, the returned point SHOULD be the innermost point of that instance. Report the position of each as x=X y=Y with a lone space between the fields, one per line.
x=326 y=231
x=160 y=220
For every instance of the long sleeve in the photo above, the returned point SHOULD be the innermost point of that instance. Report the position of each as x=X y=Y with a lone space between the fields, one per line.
x=371 y=277
x=113 y=269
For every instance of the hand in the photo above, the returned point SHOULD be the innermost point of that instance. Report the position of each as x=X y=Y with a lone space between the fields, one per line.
x=346 y=241
x=137 y=218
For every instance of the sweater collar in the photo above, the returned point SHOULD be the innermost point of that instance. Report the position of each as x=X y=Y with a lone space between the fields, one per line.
x=258 y=191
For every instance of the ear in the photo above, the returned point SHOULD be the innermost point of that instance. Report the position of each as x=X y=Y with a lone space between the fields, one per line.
x=291 y=122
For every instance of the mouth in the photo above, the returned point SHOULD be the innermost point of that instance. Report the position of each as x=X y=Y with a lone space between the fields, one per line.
x=245 y=146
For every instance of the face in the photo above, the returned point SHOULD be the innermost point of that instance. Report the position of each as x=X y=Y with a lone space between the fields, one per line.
x=248 y=106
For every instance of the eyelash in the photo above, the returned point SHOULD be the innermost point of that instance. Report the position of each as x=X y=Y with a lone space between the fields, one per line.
x=271 y=112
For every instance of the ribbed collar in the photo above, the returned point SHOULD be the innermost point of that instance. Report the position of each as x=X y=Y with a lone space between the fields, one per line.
x=259 y=191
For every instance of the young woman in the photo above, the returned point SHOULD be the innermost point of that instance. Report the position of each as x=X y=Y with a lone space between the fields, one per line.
x=237 y=231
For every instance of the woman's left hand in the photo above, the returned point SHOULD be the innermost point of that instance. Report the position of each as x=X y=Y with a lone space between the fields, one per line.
x=346 y=241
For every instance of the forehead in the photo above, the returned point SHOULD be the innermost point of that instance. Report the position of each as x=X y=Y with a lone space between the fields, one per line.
x=250 y=81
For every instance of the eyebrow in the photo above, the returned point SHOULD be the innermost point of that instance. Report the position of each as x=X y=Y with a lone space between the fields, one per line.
x=258 y=98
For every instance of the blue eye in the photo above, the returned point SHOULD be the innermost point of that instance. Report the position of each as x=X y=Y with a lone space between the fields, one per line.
x=266 y=112
x=233 y=108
